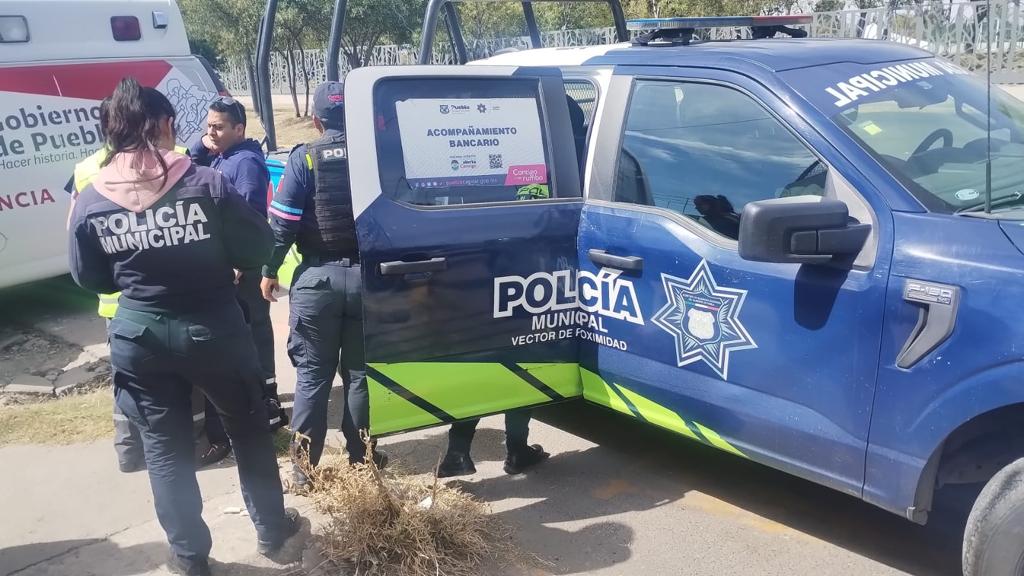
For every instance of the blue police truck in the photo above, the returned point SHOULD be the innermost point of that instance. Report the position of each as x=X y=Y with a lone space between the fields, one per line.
x=804 y=252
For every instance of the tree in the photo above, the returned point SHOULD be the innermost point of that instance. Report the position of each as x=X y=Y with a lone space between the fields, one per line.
x=491 y=20
x=572 y=15
x=203 y=47
x=300 y=23
x=229 y=27
x=829 y=5
x=370 y=23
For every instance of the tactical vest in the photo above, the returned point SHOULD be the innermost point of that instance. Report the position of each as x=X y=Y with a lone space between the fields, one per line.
x=335 y=234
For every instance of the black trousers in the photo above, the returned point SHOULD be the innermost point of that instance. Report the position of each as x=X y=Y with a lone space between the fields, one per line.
x=257 y=314
x=326 y=322
x=517 y=432
x=157 y=359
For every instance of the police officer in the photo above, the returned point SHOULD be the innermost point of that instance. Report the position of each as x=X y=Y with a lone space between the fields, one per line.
x=127 y=441
x=313 y=209
x=519 y=454
x=168 y=234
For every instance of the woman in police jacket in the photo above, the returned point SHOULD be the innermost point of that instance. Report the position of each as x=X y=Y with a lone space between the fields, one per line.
x=168 y=235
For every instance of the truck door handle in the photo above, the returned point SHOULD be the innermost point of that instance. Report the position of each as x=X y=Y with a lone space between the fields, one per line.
x=936 y=319
x=418 y=267
x=600 y=257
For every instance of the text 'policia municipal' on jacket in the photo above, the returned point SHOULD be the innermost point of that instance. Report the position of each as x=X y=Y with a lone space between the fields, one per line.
x=167 y=246
x=312 y=206
x=243 y=165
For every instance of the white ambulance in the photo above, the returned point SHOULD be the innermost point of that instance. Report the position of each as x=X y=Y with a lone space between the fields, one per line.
x=58 y=60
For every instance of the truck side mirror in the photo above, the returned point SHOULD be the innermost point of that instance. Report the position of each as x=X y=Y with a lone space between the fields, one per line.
x=799 y=230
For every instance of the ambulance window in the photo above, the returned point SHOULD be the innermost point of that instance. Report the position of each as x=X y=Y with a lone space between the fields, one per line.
x=125 y=28
x=705 y=151
x=447 y=143
x=13 y=29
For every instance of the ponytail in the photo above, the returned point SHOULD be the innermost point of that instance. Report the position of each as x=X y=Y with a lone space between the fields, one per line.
x=134 y=117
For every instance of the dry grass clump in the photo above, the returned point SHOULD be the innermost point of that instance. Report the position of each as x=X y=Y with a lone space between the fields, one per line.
x=387 y=524
x=65 y=420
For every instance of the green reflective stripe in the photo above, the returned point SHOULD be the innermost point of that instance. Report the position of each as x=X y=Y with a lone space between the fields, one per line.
x=717 y=441
x=419 y=394
x=596 y=390
x=409 y=395
x=657 y=414
x=389 y=412
x=309 y=161
x=464 y=389
x=562 y=378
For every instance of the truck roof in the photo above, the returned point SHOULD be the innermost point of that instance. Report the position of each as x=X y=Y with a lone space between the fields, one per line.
x=82 y=29
x=775 y=54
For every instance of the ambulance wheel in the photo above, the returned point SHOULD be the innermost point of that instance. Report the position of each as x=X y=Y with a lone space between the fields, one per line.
x=994 y=539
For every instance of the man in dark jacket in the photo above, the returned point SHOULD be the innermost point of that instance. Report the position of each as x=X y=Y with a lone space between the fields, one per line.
x=225 y=148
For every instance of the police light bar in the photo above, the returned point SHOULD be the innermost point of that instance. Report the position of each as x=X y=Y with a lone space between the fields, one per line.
x=648 y=24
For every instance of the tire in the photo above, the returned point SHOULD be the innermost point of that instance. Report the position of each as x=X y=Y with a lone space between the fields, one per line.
x=994 y=538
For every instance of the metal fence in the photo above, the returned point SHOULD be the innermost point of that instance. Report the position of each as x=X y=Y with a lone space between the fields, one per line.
x=957 y=31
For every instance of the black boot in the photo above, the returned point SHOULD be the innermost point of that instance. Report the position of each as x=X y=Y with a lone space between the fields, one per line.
x=455 y=464
x=183 y=567
x=519 y=459
x=290 y=528
x=215 y=453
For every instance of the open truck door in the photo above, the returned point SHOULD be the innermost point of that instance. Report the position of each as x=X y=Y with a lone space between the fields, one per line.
x=467 y=199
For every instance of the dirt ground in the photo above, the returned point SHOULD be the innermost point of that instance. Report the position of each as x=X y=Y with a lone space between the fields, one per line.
x=290 y=130
x=29 y=351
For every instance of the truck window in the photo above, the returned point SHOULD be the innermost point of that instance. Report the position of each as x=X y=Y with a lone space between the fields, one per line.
x=582 y=100
x=706 y=150
x=483 y=140
x=931 y=135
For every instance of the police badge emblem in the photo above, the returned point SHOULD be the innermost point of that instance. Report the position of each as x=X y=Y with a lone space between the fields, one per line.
x=704 y=319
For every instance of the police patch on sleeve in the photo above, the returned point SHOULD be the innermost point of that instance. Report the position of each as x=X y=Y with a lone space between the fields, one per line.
x=704 y=319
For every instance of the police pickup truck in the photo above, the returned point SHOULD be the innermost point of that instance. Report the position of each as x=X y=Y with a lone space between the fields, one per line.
x=788 y=249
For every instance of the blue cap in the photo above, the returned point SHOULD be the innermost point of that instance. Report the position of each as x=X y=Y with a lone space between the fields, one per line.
x=329 y=103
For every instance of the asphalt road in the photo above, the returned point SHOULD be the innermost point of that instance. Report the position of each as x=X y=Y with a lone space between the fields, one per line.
x=619 y=497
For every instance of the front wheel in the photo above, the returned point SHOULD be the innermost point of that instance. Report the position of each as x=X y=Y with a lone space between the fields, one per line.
x=994 y=539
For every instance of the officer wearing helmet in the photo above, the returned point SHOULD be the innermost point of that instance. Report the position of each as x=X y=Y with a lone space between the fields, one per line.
x=312 y=208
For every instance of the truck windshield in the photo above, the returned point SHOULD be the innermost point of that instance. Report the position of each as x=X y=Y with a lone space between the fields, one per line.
x=929 y=131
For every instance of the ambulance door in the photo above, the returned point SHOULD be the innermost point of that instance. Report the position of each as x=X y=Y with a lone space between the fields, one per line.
x=467 y=199
x=51 y=113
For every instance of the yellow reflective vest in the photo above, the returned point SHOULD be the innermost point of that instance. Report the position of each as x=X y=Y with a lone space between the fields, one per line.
x=85 y=171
